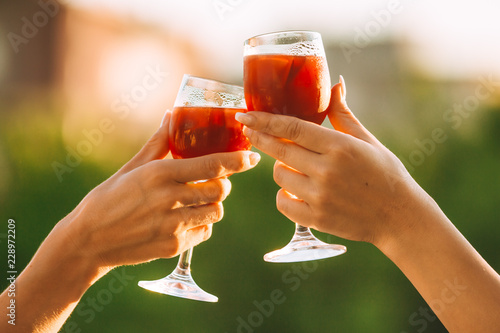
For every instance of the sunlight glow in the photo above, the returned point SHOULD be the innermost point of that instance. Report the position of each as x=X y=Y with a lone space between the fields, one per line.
x=447 y=38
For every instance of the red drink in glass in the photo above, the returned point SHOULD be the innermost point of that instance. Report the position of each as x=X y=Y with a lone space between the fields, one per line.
x=202 y=122
x=286 y=73
x=199 y=130
x=294 y=85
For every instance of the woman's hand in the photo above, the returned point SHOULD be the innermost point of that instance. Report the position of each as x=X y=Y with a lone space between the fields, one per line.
x=151 y=208
x=343 y=181
x=348 y=184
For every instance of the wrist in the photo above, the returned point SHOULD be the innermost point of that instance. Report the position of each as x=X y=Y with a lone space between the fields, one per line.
x=59 y=275
x=416 y=215
x=61 y=259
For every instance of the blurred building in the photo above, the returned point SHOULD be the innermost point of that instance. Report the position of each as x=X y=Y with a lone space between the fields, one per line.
x=104 y=64
x=97 y=65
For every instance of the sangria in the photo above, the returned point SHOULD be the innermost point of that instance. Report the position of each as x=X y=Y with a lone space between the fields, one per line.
x=202 y=123
x=287 y=73
x=293 y=85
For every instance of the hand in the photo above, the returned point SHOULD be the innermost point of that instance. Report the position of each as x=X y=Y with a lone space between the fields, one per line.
x=350 y=185
x=150 y=208
x=342 y=181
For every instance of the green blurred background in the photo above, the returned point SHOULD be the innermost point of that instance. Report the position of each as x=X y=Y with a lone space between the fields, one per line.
x=410 y=68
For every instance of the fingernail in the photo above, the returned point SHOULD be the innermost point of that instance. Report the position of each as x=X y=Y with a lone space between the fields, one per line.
x=245 y=118
x=254 y=158
x=247 y=131
x=165 y=117
x=343 y=88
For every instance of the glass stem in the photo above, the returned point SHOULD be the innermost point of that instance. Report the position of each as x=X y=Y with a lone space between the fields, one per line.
x=302 y=233
x=183 y=266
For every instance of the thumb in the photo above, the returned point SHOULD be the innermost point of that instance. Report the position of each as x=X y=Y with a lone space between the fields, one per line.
x=341 y=117
x=155 y=149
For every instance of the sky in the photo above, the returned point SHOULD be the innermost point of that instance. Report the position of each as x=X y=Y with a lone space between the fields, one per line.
x=449 y=39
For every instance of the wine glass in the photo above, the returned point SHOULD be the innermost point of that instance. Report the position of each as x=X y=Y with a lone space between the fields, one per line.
x=202 y=123
x=287 y=73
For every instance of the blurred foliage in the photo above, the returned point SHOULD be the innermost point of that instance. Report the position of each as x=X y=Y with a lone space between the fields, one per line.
x=360 y=291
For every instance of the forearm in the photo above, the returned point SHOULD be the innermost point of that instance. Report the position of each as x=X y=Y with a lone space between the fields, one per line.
x=50 y=286
x=457 y=283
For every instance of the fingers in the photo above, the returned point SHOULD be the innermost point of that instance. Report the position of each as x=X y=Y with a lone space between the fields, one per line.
x=156 y=148
x=166 y=248
x=196 y=225
x=169 y=245
x=182 y=229
x=295 y=209
x=283 y=150
x=196 y=236
x=341 y=117
x=211 y=166
x=211 y=191
x=292 y=181
x=306 y=134
x=196 y=216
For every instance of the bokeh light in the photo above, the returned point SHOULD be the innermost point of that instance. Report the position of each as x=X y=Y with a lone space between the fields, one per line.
x=407 y=65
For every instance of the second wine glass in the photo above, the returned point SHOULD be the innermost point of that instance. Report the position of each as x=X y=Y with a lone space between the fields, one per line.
x=202 y=123
x=287 y=73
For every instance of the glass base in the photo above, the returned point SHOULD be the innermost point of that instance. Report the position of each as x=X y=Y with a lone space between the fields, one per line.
x=180 y=286
x=305 y=247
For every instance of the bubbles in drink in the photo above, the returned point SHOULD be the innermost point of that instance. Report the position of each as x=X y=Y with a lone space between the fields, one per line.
x=294 y=85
